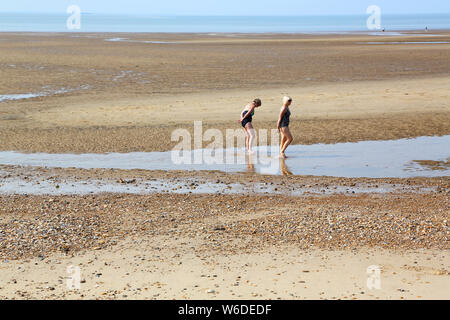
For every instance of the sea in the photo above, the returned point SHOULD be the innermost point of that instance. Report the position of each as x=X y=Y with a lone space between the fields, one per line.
x=89 y=22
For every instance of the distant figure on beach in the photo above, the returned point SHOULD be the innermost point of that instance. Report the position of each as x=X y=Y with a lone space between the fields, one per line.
x=283 y=126
x=246 y=122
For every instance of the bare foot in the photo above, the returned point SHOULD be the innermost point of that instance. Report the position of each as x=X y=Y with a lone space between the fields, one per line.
x=282 y=155
x=251 y=152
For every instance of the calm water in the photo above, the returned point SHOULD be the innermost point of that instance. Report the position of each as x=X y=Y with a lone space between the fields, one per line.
x=117 y=23
x=374 y=159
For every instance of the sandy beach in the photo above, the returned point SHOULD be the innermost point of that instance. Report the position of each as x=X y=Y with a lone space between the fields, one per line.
x=255 y=236
x=126 y=92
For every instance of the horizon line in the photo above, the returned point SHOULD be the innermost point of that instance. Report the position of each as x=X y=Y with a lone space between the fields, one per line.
x=223 y=15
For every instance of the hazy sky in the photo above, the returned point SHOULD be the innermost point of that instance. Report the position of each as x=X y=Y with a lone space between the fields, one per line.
x=228 y=7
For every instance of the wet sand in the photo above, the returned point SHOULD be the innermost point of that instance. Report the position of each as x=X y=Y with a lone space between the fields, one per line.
x=130 y=96
x=289 y=237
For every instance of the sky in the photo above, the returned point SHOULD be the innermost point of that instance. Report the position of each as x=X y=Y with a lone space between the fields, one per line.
x=228 y=7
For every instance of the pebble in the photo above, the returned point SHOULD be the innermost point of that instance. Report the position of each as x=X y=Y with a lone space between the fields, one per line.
x=33 y=225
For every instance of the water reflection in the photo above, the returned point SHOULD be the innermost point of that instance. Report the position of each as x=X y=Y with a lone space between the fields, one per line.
x=251 y=160
x=374 y=159
x=284 y=168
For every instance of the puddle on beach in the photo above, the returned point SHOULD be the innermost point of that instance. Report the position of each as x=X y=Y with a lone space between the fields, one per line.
x=23 y=96
x=396 y=34
x=141 y=41
x=371 y=159
x=188 y=186
x=6 y=97
x=408 y=42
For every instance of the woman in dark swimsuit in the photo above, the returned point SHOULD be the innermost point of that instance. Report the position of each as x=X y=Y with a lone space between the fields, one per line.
x=283 y=126
x=246 y=122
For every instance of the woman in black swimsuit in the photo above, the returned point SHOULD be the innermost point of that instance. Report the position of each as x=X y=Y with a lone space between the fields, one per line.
x=283 y=126
x=246 y=122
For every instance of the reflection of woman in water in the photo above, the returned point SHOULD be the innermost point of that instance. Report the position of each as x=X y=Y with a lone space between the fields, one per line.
x=246 y=122
x=284 y=169
x=250 y=163
x=283 y=126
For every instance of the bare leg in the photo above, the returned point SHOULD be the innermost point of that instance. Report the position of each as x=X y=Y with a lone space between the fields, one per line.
x=288 y=141
x=251 y=137
x=246 y=138
x=283 y=140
